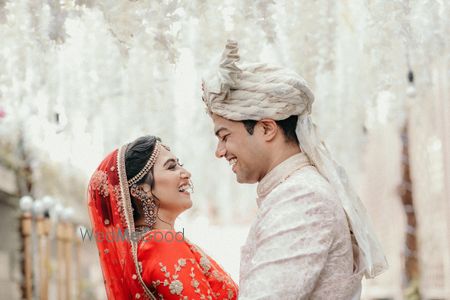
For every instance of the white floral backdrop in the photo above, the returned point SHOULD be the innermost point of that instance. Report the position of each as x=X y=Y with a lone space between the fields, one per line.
x=80 y=77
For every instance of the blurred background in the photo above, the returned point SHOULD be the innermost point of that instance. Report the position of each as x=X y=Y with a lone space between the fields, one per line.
x=79 y=78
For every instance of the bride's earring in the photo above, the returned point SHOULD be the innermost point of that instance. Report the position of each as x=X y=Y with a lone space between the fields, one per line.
x=148 y=203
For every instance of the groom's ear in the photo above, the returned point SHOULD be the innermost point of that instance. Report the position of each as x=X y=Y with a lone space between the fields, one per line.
x=268 y=128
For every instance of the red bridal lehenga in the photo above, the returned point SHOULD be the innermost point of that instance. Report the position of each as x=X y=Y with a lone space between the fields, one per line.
x=145 y=265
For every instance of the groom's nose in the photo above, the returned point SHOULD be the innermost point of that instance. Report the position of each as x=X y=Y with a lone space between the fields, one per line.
x=220 y=150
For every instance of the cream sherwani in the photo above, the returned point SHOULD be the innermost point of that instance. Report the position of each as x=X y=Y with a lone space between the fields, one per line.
x=299 y=246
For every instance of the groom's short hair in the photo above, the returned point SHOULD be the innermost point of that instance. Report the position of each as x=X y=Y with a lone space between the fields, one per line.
x=287 y=126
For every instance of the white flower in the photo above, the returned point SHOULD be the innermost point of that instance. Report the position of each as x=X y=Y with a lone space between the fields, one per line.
x=195 y=283
x=176 y=287
x=182 y=262
x=205 y=264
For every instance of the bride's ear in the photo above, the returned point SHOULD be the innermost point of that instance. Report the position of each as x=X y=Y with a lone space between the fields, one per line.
x=146 y=188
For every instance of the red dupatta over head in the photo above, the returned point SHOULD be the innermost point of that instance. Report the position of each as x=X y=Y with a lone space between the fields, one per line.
x=113 y=225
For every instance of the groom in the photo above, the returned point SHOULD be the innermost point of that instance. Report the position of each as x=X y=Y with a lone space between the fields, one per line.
x=311 y=238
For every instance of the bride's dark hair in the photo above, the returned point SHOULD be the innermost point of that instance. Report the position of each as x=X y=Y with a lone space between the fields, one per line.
x=136 y=156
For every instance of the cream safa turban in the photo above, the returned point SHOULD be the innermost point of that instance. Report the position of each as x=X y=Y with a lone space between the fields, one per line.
x=257 y=91
x=254 y=91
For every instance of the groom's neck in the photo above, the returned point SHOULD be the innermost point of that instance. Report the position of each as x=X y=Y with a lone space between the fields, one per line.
x=280 y=154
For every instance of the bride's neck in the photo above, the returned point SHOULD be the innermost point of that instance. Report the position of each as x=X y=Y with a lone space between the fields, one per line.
x=163 y=222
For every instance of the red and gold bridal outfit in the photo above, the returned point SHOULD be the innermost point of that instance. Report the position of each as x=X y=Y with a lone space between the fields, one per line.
x=145 y=268
x=177 y=269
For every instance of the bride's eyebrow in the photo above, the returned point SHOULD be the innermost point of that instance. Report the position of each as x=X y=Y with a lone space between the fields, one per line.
x=168 y=161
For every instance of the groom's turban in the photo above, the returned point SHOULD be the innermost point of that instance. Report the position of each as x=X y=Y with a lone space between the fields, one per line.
x=254 y=91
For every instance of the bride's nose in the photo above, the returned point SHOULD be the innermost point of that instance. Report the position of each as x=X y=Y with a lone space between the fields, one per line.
x=184 y=174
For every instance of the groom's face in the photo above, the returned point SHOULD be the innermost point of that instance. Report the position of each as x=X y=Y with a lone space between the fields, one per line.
x=243 y=151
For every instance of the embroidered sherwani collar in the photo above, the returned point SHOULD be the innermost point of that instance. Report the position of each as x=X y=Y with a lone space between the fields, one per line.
x=280 y=173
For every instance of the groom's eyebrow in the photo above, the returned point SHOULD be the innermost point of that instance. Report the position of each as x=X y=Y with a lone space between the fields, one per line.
x=219 y=130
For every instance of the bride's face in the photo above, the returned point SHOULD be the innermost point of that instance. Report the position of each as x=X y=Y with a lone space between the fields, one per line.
x=171 y=183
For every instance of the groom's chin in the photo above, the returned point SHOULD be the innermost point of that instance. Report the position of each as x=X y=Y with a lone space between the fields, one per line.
x=241 y=179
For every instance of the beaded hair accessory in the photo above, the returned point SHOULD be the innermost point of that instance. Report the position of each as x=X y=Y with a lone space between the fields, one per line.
x=147 y=167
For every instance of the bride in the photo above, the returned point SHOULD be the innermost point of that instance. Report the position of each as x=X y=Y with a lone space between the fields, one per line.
x=136 y=193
